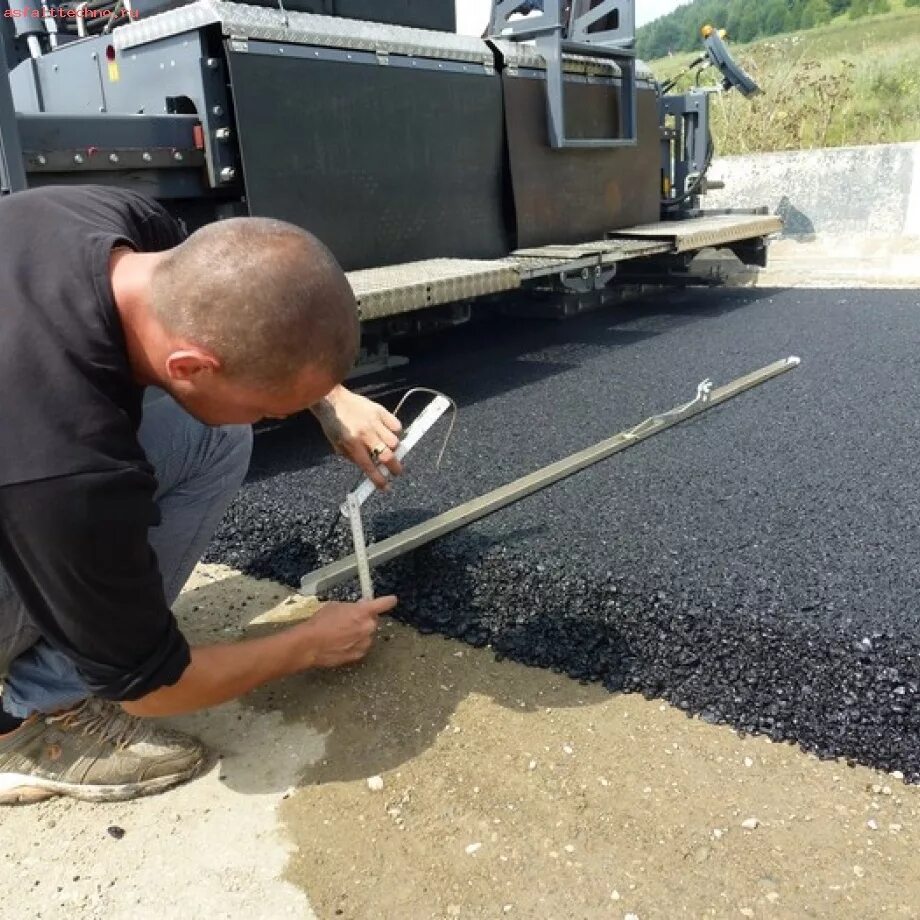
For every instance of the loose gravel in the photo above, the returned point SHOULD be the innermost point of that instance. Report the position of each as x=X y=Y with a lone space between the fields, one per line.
x=756 y=567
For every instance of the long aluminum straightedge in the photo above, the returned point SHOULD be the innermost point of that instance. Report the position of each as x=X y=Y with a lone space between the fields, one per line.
x=399 y=544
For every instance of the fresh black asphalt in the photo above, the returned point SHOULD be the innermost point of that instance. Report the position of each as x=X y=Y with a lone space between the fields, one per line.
x=759 y=566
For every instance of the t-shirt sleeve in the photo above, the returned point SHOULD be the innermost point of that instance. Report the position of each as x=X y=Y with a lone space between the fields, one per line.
x=155 y=228
x=76 y=549
x=160 y=230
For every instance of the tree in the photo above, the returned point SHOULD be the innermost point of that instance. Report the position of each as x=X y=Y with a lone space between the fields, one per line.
x=867 y=7
x=773 y=17
x=822 y=11
x=748 y=26
x=733 y=21
x=815 y=13
x=746 y=20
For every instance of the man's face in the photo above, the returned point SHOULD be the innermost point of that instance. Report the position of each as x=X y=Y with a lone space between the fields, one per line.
x=214 y=399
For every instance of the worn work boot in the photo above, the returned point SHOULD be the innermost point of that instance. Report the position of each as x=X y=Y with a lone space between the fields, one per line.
x=95 y=752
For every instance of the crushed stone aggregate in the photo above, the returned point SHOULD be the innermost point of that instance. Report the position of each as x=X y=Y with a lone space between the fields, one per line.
x=756 y=567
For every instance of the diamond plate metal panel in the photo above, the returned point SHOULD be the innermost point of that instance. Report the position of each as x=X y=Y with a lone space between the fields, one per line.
x=700 y=232
x=543 y=261
x=396 y=289
x=243 y=21
x=618 y=249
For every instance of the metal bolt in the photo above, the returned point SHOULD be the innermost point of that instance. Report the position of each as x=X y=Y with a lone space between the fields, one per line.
x=177 y=155
x=227 y=174
x=113 y=157
x=213 y=63
x=41 y=159
x=78 y=158
x=146 y=157
x=222 y=134
x=217 y=111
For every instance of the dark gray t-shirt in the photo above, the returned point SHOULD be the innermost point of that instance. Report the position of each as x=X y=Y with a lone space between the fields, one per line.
x=76 y=490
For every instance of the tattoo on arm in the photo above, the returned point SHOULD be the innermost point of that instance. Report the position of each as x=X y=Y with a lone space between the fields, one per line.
x=326 y=415
x=323 y=410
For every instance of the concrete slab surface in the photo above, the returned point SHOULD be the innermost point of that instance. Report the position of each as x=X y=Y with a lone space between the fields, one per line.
x=507 y=791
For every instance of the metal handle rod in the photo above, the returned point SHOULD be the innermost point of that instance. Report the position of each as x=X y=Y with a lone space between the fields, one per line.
x=415 y=432
x=360 y=555
x=399 y=544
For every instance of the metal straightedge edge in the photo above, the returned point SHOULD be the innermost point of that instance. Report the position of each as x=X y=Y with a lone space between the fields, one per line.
x=399 y=544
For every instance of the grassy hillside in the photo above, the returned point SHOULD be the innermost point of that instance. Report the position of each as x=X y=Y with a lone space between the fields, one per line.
x=749 y=20
x=848 y=82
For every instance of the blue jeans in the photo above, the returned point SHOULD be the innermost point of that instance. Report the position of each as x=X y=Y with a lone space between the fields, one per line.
x=199 y=469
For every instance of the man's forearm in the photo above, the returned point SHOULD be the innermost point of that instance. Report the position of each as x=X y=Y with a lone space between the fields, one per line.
x=325 y=408
x=219 y=673
x=335 y=635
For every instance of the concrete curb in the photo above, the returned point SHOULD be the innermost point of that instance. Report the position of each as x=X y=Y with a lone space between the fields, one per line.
x=851 y=216
x=846 y=192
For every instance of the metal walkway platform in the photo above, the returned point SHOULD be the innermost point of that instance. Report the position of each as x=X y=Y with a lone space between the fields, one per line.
x=702 y=232
x=395 y=289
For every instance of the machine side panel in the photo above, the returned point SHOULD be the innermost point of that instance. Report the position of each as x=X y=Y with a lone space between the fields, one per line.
x=71 y=79
x=385 y=163
x=566 y=196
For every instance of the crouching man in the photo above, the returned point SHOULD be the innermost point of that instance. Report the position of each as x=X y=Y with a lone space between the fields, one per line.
x=133 y=361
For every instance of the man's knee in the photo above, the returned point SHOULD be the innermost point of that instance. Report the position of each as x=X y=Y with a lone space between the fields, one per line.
x=226 y=455
x=183 y=449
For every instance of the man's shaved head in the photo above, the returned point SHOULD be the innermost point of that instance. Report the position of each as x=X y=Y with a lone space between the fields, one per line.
x=263 y=296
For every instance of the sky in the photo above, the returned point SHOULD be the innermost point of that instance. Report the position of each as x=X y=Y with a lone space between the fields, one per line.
x=473 y=15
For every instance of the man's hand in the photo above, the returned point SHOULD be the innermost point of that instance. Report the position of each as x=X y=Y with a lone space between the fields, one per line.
x=339 y=634
x=362 y=431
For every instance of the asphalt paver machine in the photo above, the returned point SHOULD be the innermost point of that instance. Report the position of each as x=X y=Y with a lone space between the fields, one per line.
x=439 y=168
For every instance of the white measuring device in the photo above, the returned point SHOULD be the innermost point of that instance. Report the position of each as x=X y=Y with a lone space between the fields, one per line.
x=351 y=507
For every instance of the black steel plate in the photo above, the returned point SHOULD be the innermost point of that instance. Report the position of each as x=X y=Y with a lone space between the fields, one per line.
x=385 y=164
x=568 y=196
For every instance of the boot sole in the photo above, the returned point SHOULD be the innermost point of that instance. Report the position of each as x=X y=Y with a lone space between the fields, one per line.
x=22 y=789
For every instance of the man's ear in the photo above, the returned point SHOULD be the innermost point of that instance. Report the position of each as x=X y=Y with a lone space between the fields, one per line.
x=186 y=364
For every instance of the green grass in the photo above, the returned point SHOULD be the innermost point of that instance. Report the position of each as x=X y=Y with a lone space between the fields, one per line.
x=846 y=83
